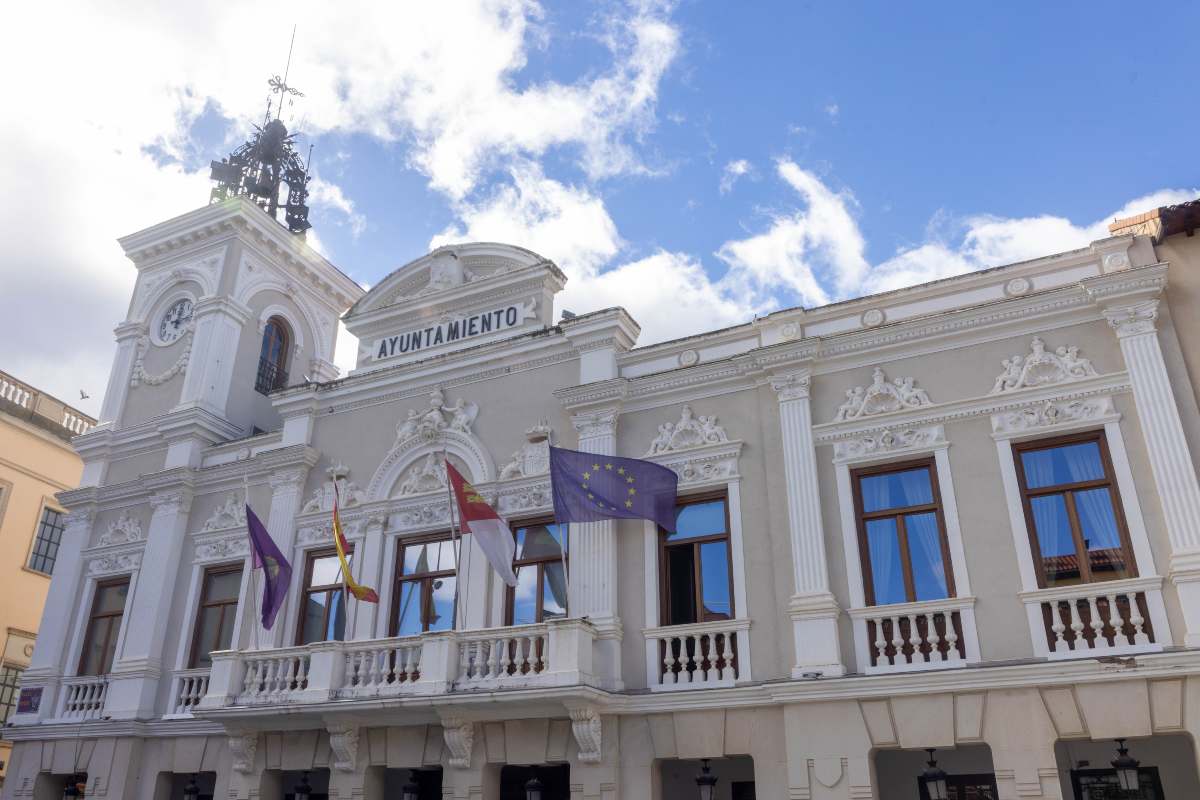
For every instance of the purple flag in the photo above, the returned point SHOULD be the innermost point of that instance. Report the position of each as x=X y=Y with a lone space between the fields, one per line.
x=588 y=488
x=278 y=571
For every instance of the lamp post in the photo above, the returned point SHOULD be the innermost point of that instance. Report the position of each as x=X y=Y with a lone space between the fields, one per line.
x=1126 y=768
x=411 y=790
x=191 y=791
x=534 y=787
x=935 y=778
x=706 y=782
x=302 y=790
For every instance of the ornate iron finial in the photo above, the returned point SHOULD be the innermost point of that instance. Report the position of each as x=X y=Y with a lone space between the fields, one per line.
x=258 y=168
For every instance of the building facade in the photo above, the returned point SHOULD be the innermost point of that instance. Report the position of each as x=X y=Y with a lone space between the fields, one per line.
x=36 y=463
x=962 y=516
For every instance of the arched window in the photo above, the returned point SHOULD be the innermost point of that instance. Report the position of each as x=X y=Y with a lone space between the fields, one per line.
x=272 y=359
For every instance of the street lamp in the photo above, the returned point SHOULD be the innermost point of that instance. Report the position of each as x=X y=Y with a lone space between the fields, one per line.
x=534 y=787
x=191 y=791
x=935 y=778
x=411 y=790
x=706 y=782
x=1126 y=768
x=302 y=791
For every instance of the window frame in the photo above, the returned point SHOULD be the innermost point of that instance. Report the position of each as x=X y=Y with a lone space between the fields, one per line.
x=861 y=517
x=426 y=580
x=93 y=616
x=279 y=372
x=310 y=560
x=203 y=604
x=46 y=507
x=1109 y=482
x=664 y=583
x=8 y=707
x=510 y=592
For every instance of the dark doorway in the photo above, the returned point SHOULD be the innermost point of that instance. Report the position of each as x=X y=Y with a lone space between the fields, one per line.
x=1101 y=784
x=429 y=781
x=206 y=781
x=966 y=787
x=555 y=778
x=742 y=790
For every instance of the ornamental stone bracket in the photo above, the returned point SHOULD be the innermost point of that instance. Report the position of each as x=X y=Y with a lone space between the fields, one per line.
x=343 y=745
x=243 y=746
x=1041 y=368
x=459 y=735
x=586 y=727
x=881 y=396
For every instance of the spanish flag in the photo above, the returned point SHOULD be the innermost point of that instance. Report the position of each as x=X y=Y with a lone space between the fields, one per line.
x=339 y=539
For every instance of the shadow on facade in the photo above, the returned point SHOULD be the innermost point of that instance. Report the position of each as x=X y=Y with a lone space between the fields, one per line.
x=970 y=774
x=735 y=778
x=1166 y=767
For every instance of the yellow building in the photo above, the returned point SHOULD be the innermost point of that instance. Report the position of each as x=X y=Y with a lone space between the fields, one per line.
x=36 y=462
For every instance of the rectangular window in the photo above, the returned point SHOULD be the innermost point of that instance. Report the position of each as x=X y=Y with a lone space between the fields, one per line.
x=902 y=534
x=695 y=564
x=423 y=599
x=45 y=546
x=323 y=606
x=9 y=678
x=541 y=590
x=1076 y=525
x=215 y=616
x=104 y=626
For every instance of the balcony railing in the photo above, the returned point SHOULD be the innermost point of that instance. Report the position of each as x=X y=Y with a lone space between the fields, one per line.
x=907 y=637
x=83 y=698
x=1106 y=618
x=699 y=655
x=557 y=653
x=188 y=687
x=271 y=377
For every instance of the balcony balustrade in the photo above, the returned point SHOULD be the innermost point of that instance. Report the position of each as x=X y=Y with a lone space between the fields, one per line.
x=699 y=655
x=82 y=698
x=908 y=637
x=1106 y=618
x=188 y=687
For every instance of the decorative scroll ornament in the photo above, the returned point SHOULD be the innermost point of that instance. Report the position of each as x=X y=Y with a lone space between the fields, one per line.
x=229 y=546
x=586 y=726
x=230 y=514
x=429 y=424
x=428 y=475
x=1052 y=413
x=881 y=397
x=1040 y=368
x=459 y=736
x=243 y=747
x=351 y=493
x=139 y=376
x=115 y=563
x=888 y=441
x=533 y=457
x=343 y=743
x=689 y=431
x=123 y=530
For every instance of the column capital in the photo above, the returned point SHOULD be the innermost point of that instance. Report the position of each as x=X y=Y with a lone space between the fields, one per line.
x=289 y=478
x=792 y=385
x=171 y=502
x=599 y=422
x=1132 y=319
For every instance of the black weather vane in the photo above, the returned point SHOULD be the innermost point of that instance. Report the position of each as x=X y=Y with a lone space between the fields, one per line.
x=257 y=168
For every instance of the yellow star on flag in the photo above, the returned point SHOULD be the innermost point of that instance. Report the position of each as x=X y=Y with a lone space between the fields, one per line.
x=632 y=490
x=629 y=479
x=629 y=504
x=608 y=466
x=620 y=470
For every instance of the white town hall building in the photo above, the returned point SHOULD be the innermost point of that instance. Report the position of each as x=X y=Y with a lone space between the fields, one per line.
x=961 y=516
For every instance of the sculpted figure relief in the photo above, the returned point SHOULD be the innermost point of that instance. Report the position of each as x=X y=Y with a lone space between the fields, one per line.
x=1040 y=368
x=533 y=457
x=689 y=431
x=427 y=476
x=439 y=417
x=881 y=397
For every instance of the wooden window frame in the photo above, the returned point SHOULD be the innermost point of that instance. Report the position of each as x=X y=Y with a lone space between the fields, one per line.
x=7 y=707
x=510 y=592
x=93 y=616
x=861 y=518
x=277 y=370
x=219 y=569
x=1067 y=490
x=426 y=580
x=664 y=583
x=310 y=559
x=37 y=536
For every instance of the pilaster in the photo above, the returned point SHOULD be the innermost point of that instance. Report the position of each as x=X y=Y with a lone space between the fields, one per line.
x=138 y=667
x=218 y=325
x=813 y=609
x=118 y=379
x=1134 y=321
x=287 y=486
x=593 y=545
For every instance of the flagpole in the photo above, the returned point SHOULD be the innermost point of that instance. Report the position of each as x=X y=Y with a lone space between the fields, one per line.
x=565 y=531
x=345 y=587
x=454 y=537
x=253 y=574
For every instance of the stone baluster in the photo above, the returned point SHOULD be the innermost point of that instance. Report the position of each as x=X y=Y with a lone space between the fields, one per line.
x=813 y=609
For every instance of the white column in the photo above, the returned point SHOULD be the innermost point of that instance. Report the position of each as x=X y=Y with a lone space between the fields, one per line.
x=139 y=663
x=368 y=571
x=122 y=368
x=286 y=487
x=592 y=552
x=813 y=609
x=219 y=324
x=1170 y=461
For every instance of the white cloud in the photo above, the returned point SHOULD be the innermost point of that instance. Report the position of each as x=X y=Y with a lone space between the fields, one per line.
x=833 y=110
x=734 y=170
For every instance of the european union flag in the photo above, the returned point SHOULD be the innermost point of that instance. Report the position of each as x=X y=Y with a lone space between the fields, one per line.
x=590 y=488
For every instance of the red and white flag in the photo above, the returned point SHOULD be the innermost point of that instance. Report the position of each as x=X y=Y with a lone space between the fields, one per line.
x=481 y=521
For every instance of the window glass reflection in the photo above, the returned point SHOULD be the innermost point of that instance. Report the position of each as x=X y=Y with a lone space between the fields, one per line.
x=925 y=554
x=896 y=490
x=887 y=570
x=1072 y=463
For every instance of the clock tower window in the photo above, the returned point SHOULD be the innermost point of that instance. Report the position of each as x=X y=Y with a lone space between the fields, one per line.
x=273 y=357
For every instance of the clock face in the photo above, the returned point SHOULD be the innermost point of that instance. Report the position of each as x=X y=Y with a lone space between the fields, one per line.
x=174 y=322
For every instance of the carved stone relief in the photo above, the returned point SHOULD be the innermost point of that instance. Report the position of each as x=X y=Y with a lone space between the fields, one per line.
x=888 y=441
x=243 y=747
x=689 y=431
x=122 y=530
x=586 y=726
x=533 y=457
x=321 y=499
x=1054 y=412
x=1040 y=368
x=139 y=374
x=439 y=417
x=881 y=397
x=343 y=744
x=459 y=736
x=427 y=475
x=230 y=514
x=114 y=563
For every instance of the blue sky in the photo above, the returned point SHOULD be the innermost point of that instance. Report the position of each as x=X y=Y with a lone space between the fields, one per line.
x=698 y=162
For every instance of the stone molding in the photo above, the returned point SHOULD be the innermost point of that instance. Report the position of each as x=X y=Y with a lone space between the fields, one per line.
x=888 y=441
x=114 y=563
x=1053 y=413
x=221 y=547
x=1040 y=368
x=593 y=424
x=793 y=386
x=139 y=375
